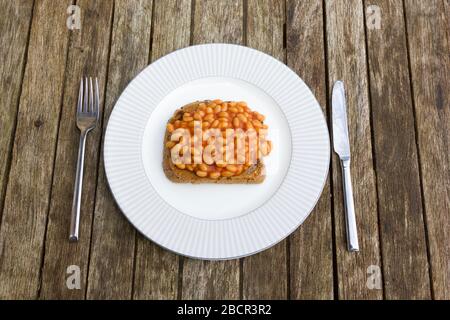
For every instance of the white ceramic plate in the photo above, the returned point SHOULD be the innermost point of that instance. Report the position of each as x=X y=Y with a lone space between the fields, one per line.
x=210 y=221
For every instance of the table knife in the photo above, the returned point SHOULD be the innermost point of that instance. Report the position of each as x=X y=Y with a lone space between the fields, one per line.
x=341 y=146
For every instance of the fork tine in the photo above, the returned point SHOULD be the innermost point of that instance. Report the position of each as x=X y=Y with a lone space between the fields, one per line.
x=86 y=97
x=91 y=97
x=80 y=97
x=97 y=99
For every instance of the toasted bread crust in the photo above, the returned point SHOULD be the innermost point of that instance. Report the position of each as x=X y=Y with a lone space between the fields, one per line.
x=253 y=175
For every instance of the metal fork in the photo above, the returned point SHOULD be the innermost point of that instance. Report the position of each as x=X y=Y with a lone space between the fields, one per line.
x=87 y=117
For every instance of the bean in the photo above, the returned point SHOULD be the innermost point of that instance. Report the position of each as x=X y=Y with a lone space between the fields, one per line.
x=214 y=175
x=201 y=174
x=215 y=123
x=226 y=173
x=264 y=149
x=236 y=122
x=180 y=166
x=242 y=118
x=256 y=123
x=205 y=124
x=209 y=117
x=260 y=117
x=170 y=144
x=221 y=164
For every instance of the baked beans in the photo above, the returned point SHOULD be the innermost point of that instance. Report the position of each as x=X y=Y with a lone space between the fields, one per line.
x=218 y=115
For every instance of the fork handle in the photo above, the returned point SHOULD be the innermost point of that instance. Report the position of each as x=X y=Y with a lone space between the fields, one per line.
x=350 y=219
x=76 y=205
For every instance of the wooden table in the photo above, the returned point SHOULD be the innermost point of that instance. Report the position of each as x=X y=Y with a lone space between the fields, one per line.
x=398 y=84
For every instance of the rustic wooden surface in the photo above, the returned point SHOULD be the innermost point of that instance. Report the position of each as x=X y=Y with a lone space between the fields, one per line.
x=398 y=85
x=346 y=55
x=311 y=251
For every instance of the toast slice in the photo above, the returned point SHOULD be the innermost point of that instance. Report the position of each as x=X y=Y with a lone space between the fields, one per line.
x=253 y=175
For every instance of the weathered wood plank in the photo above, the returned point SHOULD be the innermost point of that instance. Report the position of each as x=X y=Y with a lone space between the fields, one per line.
x=218 y=21
x=400 y=202
x=265 y=25
x=210 y=279
x=346 y=55
x=157 y=269
x=171 y=26
x=111 y=264
x=88 y=55
x=428 y=31
x=15 y=26
x=214 y=21
x=446 y=5
x=27 y=196
x=311 y=249
x=265 y=274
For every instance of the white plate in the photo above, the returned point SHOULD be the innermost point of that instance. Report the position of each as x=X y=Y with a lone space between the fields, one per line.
x=210 y=221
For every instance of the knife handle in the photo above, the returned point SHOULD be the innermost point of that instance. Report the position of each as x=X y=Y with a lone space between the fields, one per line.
x=350 y=220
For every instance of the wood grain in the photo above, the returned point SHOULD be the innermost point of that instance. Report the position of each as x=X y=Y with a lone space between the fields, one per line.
x=218 y=21
x=111 y=265
x=27 y=196
x=214 y=21
x=88 y=55
x=15 y=26
x=311 y=250
x=400 y=201
x=265 y=274
x=428 y=38
x=156 y=268
x=210 y=279
x=346 y=55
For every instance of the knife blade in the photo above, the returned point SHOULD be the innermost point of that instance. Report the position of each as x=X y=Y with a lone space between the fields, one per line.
x=340 y=128
x=341 y=146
